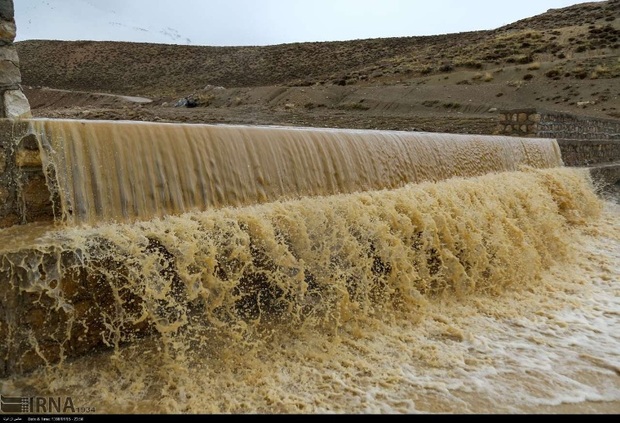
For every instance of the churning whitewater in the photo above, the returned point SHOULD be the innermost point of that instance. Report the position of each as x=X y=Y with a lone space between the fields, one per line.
x=495 y=293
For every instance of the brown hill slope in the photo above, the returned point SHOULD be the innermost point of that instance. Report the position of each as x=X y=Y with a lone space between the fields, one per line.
x=565 y=59
x=149 y=69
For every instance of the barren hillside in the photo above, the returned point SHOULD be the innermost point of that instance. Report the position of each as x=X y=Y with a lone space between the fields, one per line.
x=566 y=59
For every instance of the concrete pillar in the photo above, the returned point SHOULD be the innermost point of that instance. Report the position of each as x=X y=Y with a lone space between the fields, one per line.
x=13 y=102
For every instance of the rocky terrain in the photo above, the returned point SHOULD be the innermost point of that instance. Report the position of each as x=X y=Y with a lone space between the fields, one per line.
x=566 y=60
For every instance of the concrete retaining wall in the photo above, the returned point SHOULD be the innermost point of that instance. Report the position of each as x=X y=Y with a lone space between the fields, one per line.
x=550 y=124
x=584 y=141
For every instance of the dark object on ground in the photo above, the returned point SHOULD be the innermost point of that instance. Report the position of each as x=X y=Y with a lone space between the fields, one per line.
x=186 y=102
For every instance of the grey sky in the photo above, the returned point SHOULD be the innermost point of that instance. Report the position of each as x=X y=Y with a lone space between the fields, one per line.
x=263 y=22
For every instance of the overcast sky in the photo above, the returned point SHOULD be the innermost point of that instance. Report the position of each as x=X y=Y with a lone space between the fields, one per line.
x=263 y=22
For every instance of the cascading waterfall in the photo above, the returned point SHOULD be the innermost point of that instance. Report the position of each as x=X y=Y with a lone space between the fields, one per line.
x=240 y=269
x=127 y=171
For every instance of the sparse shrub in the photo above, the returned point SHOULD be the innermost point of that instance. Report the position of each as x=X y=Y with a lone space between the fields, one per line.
x=534 y=66
x=524 y=59
x=580 y=73
x=486 y=77
x=470 y=64
x=536 y=35
x=599 y=71
x=528 y=77
x=426 y=70
x=452 y=105
x=446 y=67
x=552 y=73
x=353 y=106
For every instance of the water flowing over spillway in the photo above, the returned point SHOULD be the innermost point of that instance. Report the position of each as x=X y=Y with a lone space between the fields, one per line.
x=126 y=171
x=358 y=272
